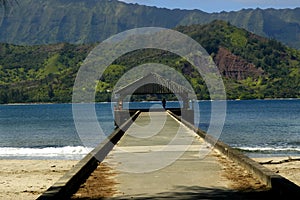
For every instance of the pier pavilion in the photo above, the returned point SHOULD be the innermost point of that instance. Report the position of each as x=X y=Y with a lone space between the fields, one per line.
x=153 y=83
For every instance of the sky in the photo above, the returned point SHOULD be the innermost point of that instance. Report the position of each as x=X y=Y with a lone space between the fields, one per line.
x=218 y=5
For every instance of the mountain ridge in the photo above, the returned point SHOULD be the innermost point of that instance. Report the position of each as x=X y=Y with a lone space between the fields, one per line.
x=88 y=21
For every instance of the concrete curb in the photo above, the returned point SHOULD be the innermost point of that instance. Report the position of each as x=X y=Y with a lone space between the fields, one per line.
x=71 y=181
x=280 y=186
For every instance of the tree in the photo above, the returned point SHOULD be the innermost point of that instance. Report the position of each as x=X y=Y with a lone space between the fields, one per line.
x=7 y=3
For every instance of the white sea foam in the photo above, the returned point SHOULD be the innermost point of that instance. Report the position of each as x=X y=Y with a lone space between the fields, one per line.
x=271 y=149
x=67 y=152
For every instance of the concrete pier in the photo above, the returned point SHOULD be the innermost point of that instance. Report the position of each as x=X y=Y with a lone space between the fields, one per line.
x=163 y=156
x=159 y=157
x=145 y=167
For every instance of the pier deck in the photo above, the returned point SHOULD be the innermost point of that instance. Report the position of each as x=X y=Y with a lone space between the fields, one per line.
x=169 y=172
x=161 y=158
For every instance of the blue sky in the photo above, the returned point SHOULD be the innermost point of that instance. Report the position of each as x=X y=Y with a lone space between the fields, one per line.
x=218 y=5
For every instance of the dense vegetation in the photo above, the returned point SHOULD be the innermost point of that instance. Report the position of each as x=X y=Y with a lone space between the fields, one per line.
x=39 y=73
x=46 y=73
x=88 y=21
x=280 y=64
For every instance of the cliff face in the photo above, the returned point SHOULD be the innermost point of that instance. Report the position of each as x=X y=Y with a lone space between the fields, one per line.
x=235 y=67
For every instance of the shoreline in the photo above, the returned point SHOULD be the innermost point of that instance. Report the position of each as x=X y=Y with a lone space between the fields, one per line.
x=49 y=103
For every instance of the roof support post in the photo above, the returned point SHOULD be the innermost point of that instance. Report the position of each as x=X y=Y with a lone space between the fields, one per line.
x=185 y=100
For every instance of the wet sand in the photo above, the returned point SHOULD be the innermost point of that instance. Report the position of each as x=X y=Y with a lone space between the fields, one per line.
x=27 y=179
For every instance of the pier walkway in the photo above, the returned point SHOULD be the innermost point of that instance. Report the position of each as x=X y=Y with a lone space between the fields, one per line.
x=160 y=158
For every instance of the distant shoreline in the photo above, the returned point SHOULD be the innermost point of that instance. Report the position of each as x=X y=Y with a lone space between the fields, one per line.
x=51 y=103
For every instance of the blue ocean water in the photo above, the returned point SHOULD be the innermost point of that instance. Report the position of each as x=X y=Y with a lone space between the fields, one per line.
x=47 y=131
x=263 y=127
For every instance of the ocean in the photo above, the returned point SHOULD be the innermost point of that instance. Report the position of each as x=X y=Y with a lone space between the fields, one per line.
x=47 y=131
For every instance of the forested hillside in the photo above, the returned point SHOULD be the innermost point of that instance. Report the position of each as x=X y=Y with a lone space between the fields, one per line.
x=251 y=66
x=39 y=73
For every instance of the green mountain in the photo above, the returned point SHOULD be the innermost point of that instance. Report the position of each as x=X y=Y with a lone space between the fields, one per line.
x=251 y=66
x=89 y=21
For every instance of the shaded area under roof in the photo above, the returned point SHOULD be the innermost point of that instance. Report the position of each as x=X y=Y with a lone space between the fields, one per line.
x=152 y=83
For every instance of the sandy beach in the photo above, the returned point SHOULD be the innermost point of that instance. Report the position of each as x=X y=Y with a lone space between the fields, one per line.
x=27 y=179
x=288 y=168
